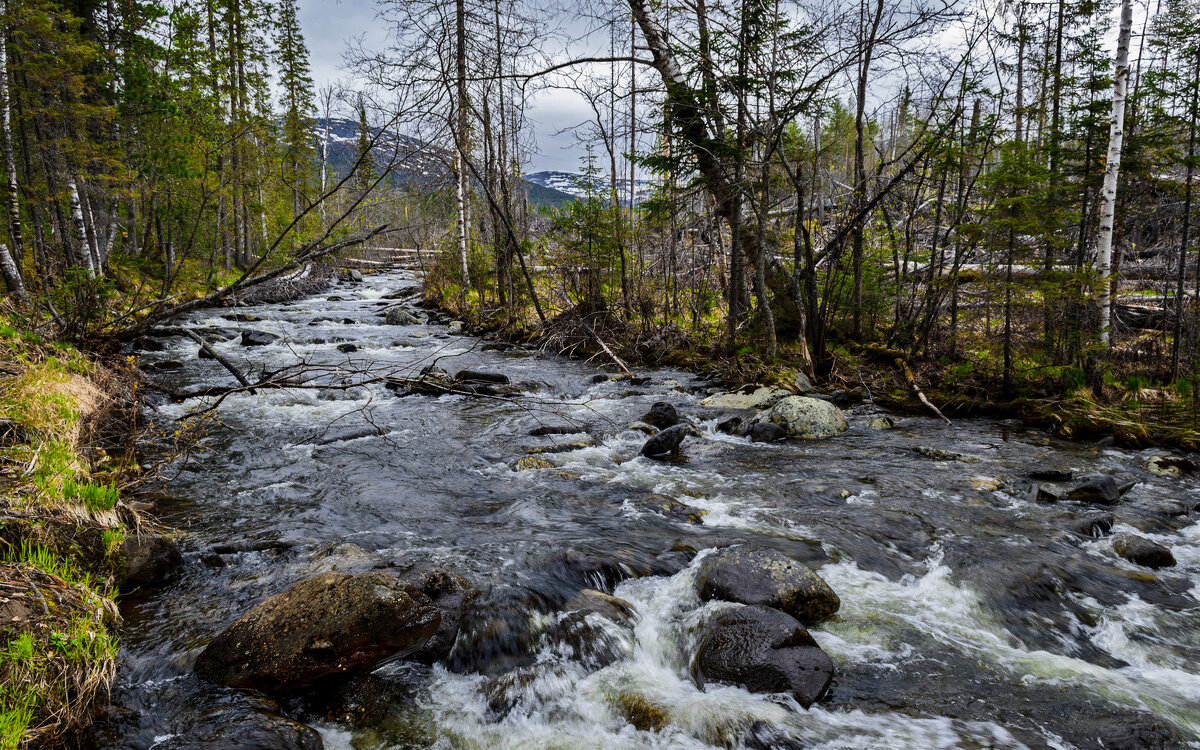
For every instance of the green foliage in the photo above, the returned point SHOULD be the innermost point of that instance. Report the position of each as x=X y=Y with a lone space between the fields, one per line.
x=94 y=496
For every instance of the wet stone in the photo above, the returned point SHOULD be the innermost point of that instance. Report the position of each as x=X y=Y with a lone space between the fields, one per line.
x=1097 y=490
x=257 y=338
x=760 y=576
x=661 y=416
x=764 y=651
x=1142 y=551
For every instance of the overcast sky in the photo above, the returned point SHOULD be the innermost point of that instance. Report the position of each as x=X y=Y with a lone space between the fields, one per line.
x=329 y=24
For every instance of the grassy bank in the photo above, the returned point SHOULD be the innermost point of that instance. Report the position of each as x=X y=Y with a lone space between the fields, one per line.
x=62 y=532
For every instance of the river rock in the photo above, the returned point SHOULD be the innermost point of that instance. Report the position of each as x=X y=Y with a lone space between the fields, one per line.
x=456 y=327
x=667 y=441
x=330 y=624
x=150 y=558
x=748 y=397
x=565 y=429
x=733 y=426
x=355 y=275
x=881 y=423
x=1171 y=466
x=593 y=602
x=476 y=376
x=808 y=418
x=765 y=651
x=661 y=415
x=767 y=432
x=257 y=338
x=397 y=316
x=803 y=384
x=669 y=507
x=219 y=727
x=589 y=441
x=529 y=463
x=1142 y=551
x=1092 y=526
x=347 y=348
x=642 y=427
x=1101 y=490
x=451 y=594
x=1042 y=494
x=1052 y=475
x=757 y=575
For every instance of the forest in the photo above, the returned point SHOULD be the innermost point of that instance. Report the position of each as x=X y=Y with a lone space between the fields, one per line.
x=1004 y=190
x=955 y=209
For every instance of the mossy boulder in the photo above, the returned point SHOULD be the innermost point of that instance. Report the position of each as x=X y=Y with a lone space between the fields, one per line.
x=328 y=625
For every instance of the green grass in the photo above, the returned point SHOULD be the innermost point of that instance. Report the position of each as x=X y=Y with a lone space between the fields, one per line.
x=94 y=496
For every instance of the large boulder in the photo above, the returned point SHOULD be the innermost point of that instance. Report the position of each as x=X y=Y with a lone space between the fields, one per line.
x=331 y=624
x=149 y=559
x=1141 y=551
x=803 y=417
x=756 y=575
x=764 y=651
x=748 y=397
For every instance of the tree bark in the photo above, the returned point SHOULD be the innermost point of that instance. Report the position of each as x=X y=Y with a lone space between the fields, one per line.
x=1112 y=167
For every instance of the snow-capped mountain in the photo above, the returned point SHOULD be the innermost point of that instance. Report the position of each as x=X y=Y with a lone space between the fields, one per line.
x=415 y=162
x=575 y=184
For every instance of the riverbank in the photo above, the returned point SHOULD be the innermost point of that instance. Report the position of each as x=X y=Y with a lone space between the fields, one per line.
x=70 y=540
x=1125 y=409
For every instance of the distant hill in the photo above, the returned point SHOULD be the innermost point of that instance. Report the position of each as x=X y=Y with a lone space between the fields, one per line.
x=417 y=163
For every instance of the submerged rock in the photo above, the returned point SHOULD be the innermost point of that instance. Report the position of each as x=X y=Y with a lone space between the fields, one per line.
x=767 y=432
x=667 y=441
x=529 y=463
x=1052 y=475
x=661 y=415
x=1142 y=551
x=150 y=558
x=807 y=418
x=670 y=507
x=591 y=601
x=765 y=651
x=331 y=624
x=396 y=316
x=756 y=575
x=257 y=338
x=1101 y=490
x=1092 y=526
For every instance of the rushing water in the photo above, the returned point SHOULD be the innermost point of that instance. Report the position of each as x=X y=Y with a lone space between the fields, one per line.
x=970 y=617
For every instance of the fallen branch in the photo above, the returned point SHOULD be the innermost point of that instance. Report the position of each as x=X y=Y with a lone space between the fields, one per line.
x=212 y=352
x=610 y=353
x=897 y=357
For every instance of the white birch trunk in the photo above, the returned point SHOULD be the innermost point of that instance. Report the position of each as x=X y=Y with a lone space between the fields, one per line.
x=1112 y=167
x=461 y=195
x=83 y=256
x=12 y=275
x=6 y=144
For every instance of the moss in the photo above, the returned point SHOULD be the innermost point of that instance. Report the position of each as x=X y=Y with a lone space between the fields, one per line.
x=641 y=713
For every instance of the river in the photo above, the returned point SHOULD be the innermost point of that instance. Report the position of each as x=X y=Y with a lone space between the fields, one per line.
x=970 y=617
